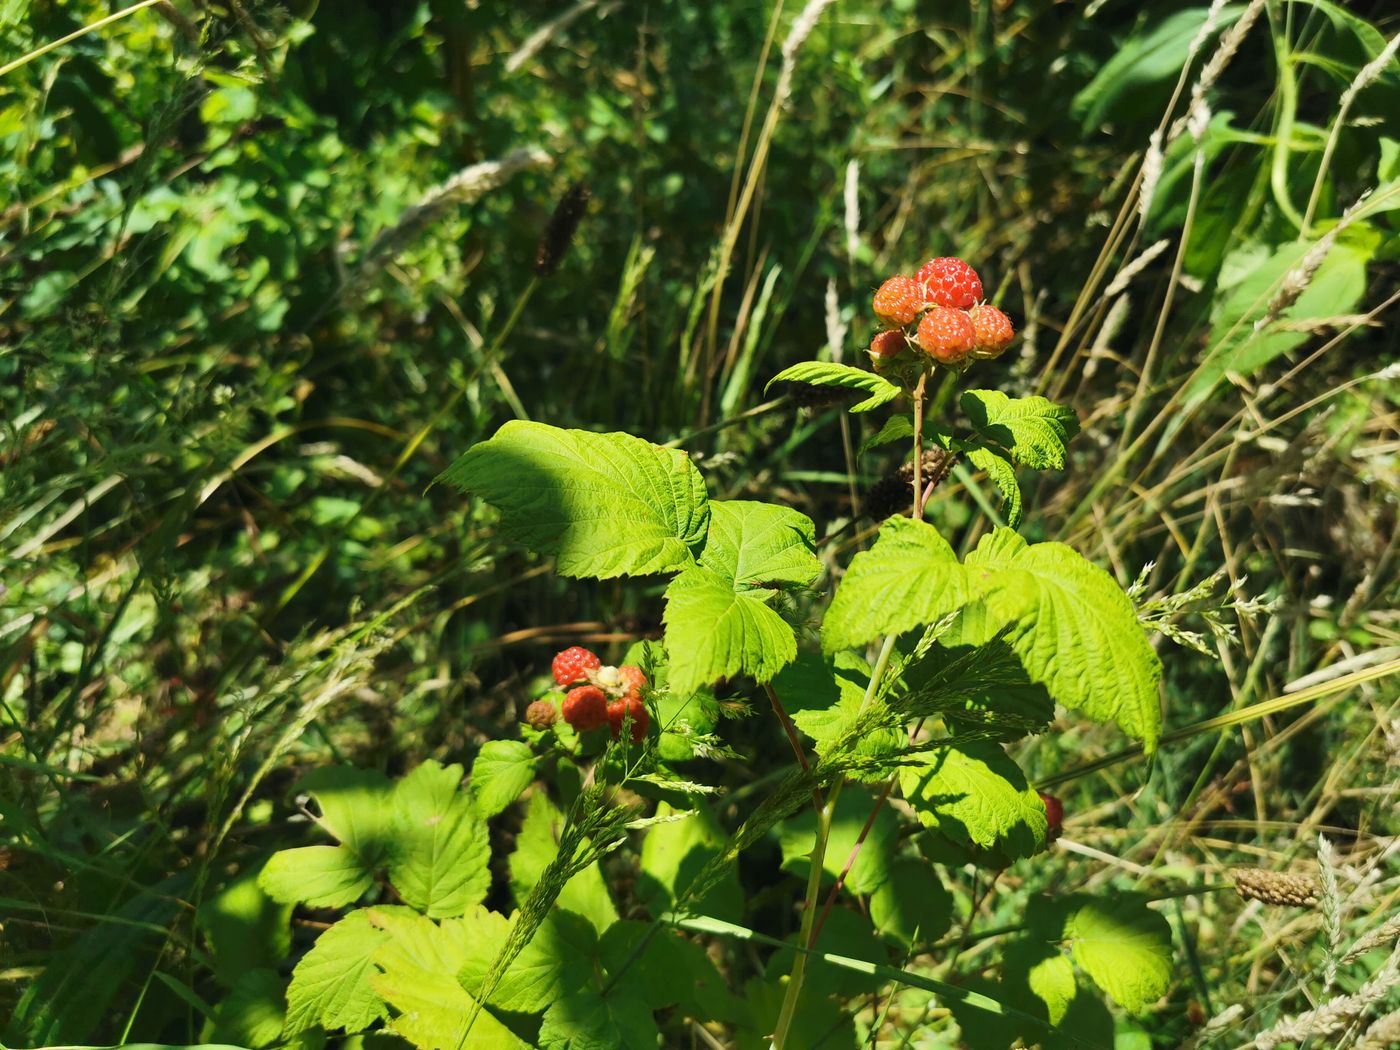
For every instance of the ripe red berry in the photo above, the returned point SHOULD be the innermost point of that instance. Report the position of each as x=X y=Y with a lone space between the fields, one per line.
x=898 y=301
x=949 y=282
x=634 y=680
x=618 y=712
x=542 y=714
x=585 y=708
x=573 y=664
x=1054 y=816
x=947 y=335
x=885 y=347
x=992 y=330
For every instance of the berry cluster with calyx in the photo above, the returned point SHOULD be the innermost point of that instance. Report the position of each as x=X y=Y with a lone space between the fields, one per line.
x=600 y=694
x=939 y=312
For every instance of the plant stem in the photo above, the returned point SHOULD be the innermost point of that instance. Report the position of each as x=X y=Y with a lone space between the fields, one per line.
x=918 y=512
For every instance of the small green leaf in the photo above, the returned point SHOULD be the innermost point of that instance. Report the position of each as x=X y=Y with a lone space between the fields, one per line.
x=1003 y=476
x=501 y=771
x=760 y=545
x=1126 y=948
x=586 y=1020
x=440 y=850
x=604 y=504
x=712 y=632
x=912 y=906
x=896 y=428
x=976 y=795
x=321 y=876
x=821 y=373
x=331 y=984
x=1033 y=430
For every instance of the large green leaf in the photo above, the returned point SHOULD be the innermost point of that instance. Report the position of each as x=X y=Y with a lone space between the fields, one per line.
x=1069 y=623
x=354 y=806
x=440 y=850
x=912 y=906
x=974 y=794
x=1033 y=429
x=1144 y=59
x=1073 y=628
x=331 y=984
x=586 y=1020
x=501 y=771
x=1126 y=948
x=554 y=962
x=760 y=545
x=910 y=577
x=713 y=632
x=604 y=504
x=821 y=373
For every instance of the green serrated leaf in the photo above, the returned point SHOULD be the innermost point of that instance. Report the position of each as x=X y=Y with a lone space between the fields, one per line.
x=760 y=545
x=354 y=806
x=1072 y=627
x=1069 y=623
x=669 y=970
x=604 y=504
x=896 y=428
x=321 y=876
x=910 y=577
x=1034 y=430
x=822 y=373
x=824 y=697
x=502 y=770
x=1125 y=947
x=1003 y=475
x=975 y=795
x=438 y=862
x=331 y=984
x=713 y=632
x=586 y=1020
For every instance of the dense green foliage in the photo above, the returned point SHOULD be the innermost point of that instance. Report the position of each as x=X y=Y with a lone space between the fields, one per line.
x=306 y=472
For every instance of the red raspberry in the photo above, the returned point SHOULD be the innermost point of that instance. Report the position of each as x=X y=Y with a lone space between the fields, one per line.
x=947 y=335
x=573 y=664
x=949 y=282
x=585 y=708
x=634 y=680
x=618 y=712
x=899 y=301
x=542 y=714
x=1054 y=816
x=885 y=347
x=992 y=329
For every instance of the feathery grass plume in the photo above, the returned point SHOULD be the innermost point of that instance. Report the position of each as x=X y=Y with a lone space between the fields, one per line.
x=1216 y=1026
x=852 y=214
x=1108 y=331
x=536 y=41
x=1383 y=1034
x=1151 y=174
x=1331 y=901
x=1337 y=1013
x=1229 y=44
x=1296 y=280
x=802 y=27
x=1276 y=887
x=836 y=328
x=559 y=232
x=1387 y=933
x=1161 y=612
x=467 y=185
x=1125 y=275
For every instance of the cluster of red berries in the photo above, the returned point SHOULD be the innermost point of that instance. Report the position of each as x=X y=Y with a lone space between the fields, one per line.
x=601 y=695
x=943 y=306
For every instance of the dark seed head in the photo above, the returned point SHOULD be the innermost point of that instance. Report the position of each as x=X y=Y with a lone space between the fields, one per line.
x=558 y=235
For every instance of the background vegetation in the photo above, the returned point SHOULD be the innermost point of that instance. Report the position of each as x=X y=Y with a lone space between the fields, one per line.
x=241 y=330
